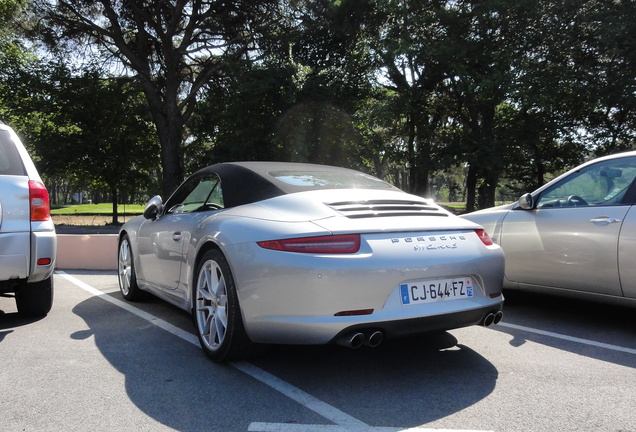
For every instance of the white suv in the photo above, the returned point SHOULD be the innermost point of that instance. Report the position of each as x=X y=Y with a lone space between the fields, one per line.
x=27 y=235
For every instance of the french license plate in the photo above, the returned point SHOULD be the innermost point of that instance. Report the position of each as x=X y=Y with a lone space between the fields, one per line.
x=436 y=290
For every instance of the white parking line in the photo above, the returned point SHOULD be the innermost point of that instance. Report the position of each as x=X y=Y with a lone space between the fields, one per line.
x=286 y=427
x=569 y=338
x=187 y=336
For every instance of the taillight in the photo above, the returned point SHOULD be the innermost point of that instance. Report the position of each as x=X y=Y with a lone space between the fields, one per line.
x=39 y=202
x=336 y=244
x=484 y=237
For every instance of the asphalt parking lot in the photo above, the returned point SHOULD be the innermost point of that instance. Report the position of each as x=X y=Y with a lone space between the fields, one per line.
x=99 y=363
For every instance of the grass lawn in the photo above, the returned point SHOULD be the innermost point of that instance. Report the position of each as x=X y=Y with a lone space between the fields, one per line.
x=97 y=209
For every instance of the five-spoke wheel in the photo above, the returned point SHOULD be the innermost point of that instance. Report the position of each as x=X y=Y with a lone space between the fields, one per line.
x=217 y=316
x=126 y=271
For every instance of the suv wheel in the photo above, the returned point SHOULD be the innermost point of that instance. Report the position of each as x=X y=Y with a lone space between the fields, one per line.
x=35 y=298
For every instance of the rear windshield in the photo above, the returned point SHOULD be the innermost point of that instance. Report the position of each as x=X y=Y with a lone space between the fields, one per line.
x=10 y=162
x=330 y=179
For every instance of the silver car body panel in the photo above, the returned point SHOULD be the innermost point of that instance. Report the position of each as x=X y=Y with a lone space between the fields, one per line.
x=290 y=297
x=296 y=296
x=43 y=245
x=14 y=255
x=626 y=254
x=15 y=242
x=584 y=251
x=23 y=242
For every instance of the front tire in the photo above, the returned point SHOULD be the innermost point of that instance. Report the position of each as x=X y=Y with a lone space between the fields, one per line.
x=35 y=299
x=126 y=271
x=217 y=316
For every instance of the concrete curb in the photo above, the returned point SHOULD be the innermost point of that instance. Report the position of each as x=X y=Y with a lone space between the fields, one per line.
x=86 y=252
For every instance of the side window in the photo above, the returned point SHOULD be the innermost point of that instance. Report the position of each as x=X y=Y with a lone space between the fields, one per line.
x=198 y=194
x=10 y=161
x=604 y=183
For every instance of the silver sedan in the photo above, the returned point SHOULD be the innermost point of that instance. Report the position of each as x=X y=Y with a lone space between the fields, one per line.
x=266 y=252
x=574 y=236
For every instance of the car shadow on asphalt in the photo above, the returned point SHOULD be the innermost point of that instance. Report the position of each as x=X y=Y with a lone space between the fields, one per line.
x=14 y=319
x=11 y=320
x=577 y=326
x=404 y=383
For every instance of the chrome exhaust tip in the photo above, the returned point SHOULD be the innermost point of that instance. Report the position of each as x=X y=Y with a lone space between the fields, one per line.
x=374 y=339
x=498 y=317
x=352 y=340
x=489 y=320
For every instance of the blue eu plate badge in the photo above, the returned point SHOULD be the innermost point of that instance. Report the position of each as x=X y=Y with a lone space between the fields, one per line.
x=404 y=291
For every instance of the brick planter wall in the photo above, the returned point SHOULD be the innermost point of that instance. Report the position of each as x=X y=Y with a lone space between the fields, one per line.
x=86 y=252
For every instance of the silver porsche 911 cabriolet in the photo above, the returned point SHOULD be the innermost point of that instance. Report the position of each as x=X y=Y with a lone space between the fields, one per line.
x=288 y=253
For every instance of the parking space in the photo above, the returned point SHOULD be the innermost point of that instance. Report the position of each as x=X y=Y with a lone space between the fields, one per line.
x=97 y=362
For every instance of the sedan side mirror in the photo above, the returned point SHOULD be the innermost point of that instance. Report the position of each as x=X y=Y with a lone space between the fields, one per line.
x=154 y=207
x=526 y=202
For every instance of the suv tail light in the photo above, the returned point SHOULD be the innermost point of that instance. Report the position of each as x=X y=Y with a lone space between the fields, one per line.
x=39 y=202
x=484 y=237
x=331 y=244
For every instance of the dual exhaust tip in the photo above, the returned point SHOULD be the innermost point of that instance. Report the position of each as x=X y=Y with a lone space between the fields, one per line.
x=357 y=339
x=492 y=318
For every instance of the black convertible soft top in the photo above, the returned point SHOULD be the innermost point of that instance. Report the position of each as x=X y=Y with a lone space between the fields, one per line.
x=248 y=182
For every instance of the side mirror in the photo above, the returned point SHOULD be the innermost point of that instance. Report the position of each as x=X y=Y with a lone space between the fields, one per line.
x=526 y=202
x=154 y=207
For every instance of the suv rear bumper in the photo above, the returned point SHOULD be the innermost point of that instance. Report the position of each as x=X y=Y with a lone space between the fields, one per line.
x=14 y=255
x=43 y=245
x=20 y=252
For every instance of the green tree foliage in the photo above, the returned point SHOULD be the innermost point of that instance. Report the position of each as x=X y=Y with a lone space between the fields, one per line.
x=174 y=48
x=477 y=99
x=407 y=50
x=85 y=132
x=109 y=138
x=15 y=58
x=607 y=56
x=237 y=120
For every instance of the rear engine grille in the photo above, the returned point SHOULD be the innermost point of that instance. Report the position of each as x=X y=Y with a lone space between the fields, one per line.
x=385 y=208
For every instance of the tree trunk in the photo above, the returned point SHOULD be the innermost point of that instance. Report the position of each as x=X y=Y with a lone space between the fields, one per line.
x=113 y=196
x=486 y=197
x=170 y=133
x=471 y=188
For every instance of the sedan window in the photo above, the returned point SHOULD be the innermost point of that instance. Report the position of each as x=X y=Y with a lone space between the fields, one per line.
x=600 y=184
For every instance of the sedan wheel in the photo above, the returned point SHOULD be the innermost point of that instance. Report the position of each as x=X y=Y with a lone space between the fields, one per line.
x=126 y=271
x=217 y=315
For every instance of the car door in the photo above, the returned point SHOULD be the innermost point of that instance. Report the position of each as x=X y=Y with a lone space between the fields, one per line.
x=626 y=254
x=164 y=241
x=570 y=240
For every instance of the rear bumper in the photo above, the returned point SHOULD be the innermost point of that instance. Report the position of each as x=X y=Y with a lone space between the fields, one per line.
x=21 y=251
x=429 y=324
x=15 y=251
x=295 y=298
x=43 y=247
x=327 y=329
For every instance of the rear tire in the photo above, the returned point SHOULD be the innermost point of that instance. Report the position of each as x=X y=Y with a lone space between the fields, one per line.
x=35 y=299
x=217 y=316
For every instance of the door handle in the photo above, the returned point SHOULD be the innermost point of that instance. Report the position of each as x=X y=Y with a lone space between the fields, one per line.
x=176 y=236
x=604 y=220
